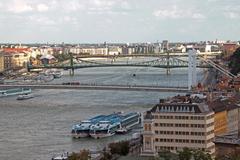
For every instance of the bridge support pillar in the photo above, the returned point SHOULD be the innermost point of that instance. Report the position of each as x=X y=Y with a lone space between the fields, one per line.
x=168 y=71
x=168 y=59
x=71 y=72
x=192 y=73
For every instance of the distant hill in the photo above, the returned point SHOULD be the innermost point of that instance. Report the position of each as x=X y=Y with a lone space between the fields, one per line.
x=234 y=62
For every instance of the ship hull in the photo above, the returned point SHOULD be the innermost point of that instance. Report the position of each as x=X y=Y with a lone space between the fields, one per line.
x=98 y=136
x=82 y=135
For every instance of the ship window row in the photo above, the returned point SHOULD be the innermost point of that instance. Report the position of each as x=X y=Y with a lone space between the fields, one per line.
x=135 y=119
x=179 y=140
x=179 y=125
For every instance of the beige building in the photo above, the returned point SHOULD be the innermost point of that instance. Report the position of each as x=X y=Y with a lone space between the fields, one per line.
x=1 y=62
x=20 y=59
x=90 y=50
x=173 y=126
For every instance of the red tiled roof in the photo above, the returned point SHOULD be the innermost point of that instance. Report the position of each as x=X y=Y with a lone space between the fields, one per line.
x=11 y=50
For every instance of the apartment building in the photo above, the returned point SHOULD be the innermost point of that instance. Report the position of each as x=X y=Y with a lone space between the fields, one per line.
x=227 y=115
x=15 y=57
x=172 y=126
x=8 y=64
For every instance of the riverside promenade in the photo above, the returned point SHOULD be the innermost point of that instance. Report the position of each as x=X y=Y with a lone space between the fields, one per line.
x=98 y=87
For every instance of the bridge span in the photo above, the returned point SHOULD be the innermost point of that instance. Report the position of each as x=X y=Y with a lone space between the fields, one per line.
x=170 y=54
x=98 y=87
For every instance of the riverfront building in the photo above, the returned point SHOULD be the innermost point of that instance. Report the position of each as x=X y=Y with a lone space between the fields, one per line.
x=15 y=57
x=227 y=115
x=171 y=126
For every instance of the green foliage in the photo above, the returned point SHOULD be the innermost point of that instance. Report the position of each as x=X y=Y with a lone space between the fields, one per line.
x=74 y=156
x=166 y=155
x=121 y=148
x=153 y=158
x=185 y=154
x=229 y=157
x=234 y=62
x=200 y=155
x=188 y=154
x=106 y=156
x=83 y=155
x=62 y=57
x=235 y=157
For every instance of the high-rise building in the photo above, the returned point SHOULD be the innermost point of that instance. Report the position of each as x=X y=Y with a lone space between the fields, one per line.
x=165 y=45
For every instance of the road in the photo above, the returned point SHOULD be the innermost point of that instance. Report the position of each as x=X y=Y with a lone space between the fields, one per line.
x=97 y=87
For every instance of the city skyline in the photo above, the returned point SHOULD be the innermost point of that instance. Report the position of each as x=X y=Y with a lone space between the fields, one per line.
x=96 y=21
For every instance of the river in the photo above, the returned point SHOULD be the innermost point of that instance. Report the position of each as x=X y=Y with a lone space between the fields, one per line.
x=37 y=128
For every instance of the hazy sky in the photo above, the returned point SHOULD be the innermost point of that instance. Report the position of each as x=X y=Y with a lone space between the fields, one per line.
x=81 y=21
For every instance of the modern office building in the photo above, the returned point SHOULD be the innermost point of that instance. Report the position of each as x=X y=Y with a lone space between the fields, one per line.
x=172 y=126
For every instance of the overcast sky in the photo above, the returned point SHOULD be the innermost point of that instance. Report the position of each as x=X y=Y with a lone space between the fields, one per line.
x=96 y=21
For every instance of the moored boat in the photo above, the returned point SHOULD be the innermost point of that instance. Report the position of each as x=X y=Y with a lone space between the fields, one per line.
x=116 y=124
x=54 y=73
x=128 y=121
x=106 y=125
x=104 y=129
x=15 y=91
x=82 y=129
x=63 y=156
x=25 y=97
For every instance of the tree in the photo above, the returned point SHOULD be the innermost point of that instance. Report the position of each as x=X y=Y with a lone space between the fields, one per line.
x=200 y=155
x=166 y=155
x=185 y=154
x=74 y=156
x=121 y=148
x=106 y=156
x=62 y=57
x=83 y=155
x=234 y=62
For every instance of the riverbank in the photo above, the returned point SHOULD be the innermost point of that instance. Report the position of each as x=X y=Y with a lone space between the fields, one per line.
x=41 y=127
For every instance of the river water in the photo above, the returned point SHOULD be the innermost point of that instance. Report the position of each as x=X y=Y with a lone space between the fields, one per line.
x=37 y=128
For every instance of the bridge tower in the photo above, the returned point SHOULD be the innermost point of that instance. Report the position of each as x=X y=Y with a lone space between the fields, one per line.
x=168 y=68
x=192 y=73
